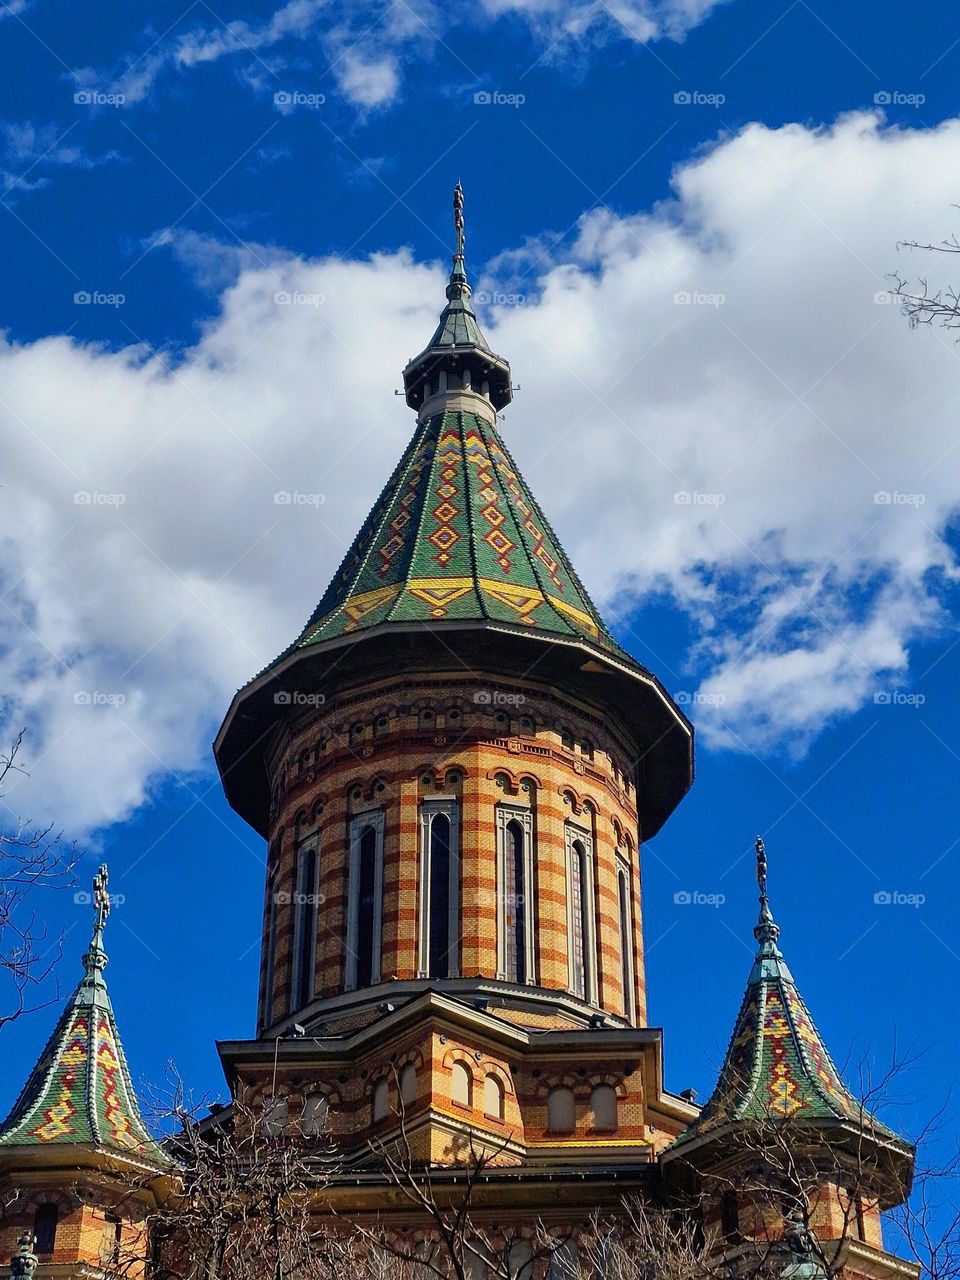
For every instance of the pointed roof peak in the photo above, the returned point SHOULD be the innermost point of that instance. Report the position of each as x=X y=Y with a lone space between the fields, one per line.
x=80 y=1092
x=777 y=1066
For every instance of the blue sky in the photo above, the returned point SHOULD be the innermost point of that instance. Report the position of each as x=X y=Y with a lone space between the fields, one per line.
x=685 y=216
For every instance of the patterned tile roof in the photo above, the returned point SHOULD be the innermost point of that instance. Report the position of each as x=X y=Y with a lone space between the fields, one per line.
x=456 y=535
x=80 y=1091
x=777 y=1066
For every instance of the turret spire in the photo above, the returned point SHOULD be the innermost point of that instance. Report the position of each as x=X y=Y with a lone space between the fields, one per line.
x=767 y=931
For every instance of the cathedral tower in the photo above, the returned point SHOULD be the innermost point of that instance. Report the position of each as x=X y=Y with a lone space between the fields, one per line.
x=454 y=765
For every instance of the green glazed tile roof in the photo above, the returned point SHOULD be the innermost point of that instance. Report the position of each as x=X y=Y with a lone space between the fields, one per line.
x=458 y=326
x=80 y=1091
x=456 y=535
x=777 y=1066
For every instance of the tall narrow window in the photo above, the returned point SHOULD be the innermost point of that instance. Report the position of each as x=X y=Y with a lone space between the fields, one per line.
x=730 y=1216
x=516 y=938
x=45 y=1227
x=582 y=943
x=626 y=939
x=440 y=890
x=305 y=904
x=270 y=940
x=365 y=900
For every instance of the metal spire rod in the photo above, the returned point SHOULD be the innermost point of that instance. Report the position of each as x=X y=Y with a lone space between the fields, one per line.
x=96 y=957
x=458 y=219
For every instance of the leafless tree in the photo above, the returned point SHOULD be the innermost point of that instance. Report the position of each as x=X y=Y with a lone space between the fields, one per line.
x=32 y=858
x=921 y=303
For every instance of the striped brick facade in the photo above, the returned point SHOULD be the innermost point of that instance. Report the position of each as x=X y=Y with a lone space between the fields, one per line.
x=390 y=748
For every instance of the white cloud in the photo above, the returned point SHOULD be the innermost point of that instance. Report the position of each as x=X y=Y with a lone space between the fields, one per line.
x=781 y=412
x=364 y=46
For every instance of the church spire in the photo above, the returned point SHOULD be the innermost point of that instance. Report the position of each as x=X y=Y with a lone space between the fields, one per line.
x=457 y=370
x=80 y=1092
x=777 y=1066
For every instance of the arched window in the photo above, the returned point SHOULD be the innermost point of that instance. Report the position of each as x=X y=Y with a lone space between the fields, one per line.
x=626 y=940
x=580 y=919
x=586 y=749
x=408 y=1084
x=566 y=739
x=730 y=1216
x=112 y=1238
x=382 y=724
x=461 y=1084
x=364 y=900
x=564 y=1262
x=603 y=1108
x=381 y=1100
x=356 y=732
x=275 y=1113
x=515 y=967
x=306 y=901
x=501 y=722
x=561 y=1110
x=45 y=1227
x=303 y=764
x=520 y=1260
x=493 y=1097
x=426 y=719
x=527 y=726
x=313 y=1118
x=440 y=902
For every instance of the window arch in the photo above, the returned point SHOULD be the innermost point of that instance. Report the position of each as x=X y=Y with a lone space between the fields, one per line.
x=382 y=724
x=564 y=1262
x=356 y=731
x=275 y=1114
x=305 y=911
x=493 y=1097
x=520 y=1260
x=527 y=725
x=381 y=1100
x=365 y=900
x=586 y=749
x=45 y=1227
x=566 y=739
x=440 y=890
x=426 y=718
x=580 y=922
x=501 y=722
x=461 y=1084
x=408 y=1084
x=313 y=1117
x=625 y=920
x=603 y=1108
x=516 y=926
x=561 y=1110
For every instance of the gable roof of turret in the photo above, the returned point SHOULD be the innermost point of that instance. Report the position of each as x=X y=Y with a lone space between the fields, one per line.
x=80 y=1092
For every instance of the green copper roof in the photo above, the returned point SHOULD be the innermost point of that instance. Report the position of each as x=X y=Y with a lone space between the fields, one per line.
x=777 y=1067
x=80 y=1090
x=456 y=535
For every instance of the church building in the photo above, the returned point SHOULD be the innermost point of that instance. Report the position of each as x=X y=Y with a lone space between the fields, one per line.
x=454 y=767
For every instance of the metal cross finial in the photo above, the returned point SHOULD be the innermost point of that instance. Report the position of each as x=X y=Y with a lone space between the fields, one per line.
x=458 y=218
x=761 y=866
x=101 y=899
